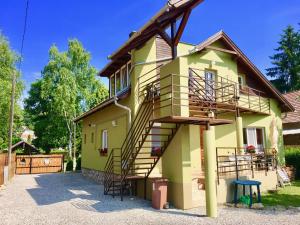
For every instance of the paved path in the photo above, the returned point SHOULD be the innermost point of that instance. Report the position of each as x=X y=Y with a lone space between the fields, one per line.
x=71 y=199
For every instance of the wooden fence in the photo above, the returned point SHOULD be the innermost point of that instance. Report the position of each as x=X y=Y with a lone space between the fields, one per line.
x=32 y=164
x=4 y=162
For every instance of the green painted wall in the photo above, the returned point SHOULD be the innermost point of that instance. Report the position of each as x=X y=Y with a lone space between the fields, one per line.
x=182 y=157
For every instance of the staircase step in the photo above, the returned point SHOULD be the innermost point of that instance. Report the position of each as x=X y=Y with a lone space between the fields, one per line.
x=154 y=157
x=142 y=163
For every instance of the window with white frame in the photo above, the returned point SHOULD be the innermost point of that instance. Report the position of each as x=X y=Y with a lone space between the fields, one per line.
x=104 y=139
x=124 y=77
x=112 y=86
x=120 y=80
x=254 y=136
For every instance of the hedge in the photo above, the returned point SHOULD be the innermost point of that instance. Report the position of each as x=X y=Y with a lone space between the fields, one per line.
x=292 y=158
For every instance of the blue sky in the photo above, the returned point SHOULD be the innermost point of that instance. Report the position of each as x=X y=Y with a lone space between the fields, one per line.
x=102 y=26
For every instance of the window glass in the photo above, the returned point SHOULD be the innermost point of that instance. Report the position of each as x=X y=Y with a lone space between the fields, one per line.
x=104 y=139
x=112 y=85
x=124 y=77
x=118 y=81
x=84 y=139
x=128 y=71
x=259 y=134
x=241 y=83
x=92 y=137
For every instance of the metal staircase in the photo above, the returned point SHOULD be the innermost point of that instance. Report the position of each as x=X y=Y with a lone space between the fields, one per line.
x=142 y=148
x=150 y=133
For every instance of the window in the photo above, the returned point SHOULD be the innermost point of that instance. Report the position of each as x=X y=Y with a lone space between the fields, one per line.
x=254 y=136
x=92 y=137
x=128 y=72
x=241 y=81
x=104 y=140
x=84 y=139
x=112 y=86
x=118 y=82
x=124 y=77
x=209 y=84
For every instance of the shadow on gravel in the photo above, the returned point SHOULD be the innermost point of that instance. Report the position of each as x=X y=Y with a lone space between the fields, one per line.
x=87 y=195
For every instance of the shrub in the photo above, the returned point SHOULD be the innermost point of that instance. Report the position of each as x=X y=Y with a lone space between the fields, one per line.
x=292 y=158
x=69 y=166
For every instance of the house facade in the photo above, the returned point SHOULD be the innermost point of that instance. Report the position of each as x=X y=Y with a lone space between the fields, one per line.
x=199 y=115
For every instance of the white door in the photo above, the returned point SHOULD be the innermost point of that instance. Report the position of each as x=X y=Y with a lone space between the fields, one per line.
x=209 y=84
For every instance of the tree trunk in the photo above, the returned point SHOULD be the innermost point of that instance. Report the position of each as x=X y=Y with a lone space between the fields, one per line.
x=70 y=142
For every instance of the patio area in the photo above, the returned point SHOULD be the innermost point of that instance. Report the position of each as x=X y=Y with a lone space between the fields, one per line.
x=72 y=199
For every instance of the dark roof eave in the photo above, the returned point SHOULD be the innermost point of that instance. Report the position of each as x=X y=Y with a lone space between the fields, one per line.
x=102 y=105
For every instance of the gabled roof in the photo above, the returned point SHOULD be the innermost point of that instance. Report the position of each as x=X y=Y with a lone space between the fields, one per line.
x=294 y=99
x=173 y=10
x=23 y=144
x=234 y=49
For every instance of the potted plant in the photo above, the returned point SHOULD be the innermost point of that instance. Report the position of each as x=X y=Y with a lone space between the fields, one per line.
x=156 y=151
x=250 y=149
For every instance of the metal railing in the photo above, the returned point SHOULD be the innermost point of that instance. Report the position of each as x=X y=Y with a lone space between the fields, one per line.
x=233 y=161
x=175 y=94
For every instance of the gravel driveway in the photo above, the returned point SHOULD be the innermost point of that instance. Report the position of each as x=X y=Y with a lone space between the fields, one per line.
x=72 y=199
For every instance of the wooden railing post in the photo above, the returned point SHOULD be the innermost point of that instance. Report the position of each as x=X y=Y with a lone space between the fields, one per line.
x=217 y=158
x=172 y=103
x=251 y=161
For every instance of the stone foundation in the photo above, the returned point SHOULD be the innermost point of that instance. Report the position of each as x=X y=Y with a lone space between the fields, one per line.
x=95 y=175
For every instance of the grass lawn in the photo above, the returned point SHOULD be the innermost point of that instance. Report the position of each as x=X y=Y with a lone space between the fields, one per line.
x=288 y=196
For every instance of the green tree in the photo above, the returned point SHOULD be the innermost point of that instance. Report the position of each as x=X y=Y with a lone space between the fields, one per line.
x=68 y=88
x=286 y=62
x=8 y=61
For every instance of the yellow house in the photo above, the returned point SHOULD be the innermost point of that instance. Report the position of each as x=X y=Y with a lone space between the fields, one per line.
x=188 y=113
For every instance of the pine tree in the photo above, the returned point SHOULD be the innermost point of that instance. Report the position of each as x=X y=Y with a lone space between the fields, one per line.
x=286 y=62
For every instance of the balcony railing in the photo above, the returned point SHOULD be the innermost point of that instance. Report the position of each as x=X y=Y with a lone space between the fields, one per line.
x=197 y=95
x=248 y=98
x=234 y=162
x=186 y=95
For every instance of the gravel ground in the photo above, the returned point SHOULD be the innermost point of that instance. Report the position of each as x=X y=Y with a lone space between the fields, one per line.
x=72 y=199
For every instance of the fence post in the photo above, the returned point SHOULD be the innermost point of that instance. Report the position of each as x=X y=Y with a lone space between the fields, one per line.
x=30 y=165
x=236 y=165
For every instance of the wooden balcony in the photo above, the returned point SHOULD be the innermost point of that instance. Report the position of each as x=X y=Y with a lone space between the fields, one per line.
x=193 y=99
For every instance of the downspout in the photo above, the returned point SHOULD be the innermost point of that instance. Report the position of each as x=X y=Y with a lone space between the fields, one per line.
x=125 y=108
x=129 y=124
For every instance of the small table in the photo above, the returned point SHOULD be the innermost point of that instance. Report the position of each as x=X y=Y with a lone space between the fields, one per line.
x=245 y=183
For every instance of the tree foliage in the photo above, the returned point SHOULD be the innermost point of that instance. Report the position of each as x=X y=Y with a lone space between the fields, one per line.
x=68 y=88
x=286 y=62
x=8 y=61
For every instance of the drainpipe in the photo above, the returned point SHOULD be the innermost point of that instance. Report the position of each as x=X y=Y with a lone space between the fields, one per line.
x=127 y=109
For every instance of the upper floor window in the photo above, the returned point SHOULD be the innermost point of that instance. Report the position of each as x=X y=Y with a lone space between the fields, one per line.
x=112 y=85
x=120 y=80
x=241 y=81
